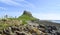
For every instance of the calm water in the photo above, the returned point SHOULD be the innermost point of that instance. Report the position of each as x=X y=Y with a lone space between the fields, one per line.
x=57 y=21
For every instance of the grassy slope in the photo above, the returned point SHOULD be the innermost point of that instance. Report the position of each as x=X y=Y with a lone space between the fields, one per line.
x=26 y=17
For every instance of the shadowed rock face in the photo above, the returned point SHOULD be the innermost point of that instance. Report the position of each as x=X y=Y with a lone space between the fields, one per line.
x=27 y=13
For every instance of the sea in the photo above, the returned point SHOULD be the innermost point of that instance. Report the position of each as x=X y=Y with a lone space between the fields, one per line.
x=57 y=21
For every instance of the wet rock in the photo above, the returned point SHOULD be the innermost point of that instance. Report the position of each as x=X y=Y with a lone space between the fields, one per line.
x=58 y=33
x=14 y=28
x=41 y=26
x=42 y=29
x=54 y=28
x=34 y=34
x=20 y=33
x=0 y=32
x=51 y=29
x=7 y=32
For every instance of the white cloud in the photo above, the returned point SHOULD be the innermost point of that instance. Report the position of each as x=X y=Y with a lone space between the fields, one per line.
x=14 y=3
x=19 y=0
x=28 y=4
x=3 y=11
x=2 y=8
x=10 y=2
x=48 y=16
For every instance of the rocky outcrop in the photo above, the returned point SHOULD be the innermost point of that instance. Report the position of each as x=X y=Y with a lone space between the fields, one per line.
x=27 y=13
x=22 y=30
x=31 y=28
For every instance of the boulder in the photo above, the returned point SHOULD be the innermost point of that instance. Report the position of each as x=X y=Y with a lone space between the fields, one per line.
x=27 y=13
x=14 y=28
x=58 y=33
x=0 y=32
x=20 y=33
x=6 y=31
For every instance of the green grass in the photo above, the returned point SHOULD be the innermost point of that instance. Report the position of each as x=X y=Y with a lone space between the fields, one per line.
x=26 y=17
x=3 y=25
x=24 y=22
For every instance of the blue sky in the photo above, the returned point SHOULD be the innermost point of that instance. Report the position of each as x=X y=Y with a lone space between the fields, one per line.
x=42 y=9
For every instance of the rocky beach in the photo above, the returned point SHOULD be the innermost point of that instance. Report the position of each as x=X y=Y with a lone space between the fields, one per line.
x=26 y=24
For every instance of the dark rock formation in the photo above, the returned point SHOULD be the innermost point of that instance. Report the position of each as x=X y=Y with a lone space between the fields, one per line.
x=58 y=33
x=27 y=13
x=7 y=32
x=18 y=33
x=15 y=28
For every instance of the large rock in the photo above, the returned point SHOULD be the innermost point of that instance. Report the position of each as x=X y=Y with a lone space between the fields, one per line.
x=27 y=13
x=20 y=33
